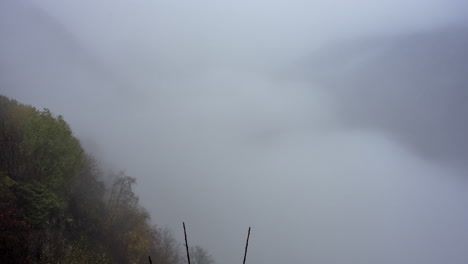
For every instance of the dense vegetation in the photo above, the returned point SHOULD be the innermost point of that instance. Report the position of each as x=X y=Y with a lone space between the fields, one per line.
x=55 y=206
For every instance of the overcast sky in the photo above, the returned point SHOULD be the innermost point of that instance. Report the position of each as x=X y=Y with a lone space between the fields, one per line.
x=335 y=129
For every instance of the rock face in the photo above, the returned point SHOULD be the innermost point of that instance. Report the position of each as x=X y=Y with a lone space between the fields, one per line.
x=415 y=87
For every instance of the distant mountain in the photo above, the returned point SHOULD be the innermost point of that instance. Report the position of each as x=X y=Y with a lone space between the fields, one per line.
x=42 y=58
x=413 y=86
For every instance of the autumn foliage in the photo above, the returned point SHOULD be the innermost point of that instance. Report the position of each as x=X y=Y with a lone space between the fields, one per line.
x=57 y=207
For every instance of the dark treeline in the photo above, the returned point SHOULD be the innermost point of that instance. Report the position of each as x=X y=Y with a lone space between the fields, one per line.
x=55 y=206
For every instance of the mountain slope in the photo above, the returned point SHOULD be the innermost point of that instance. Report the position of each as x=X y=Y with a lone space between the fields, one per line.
x=415 y=87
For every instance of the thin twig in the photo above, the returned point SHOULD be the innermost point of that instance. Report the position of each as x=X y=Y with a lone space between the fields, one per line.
x=186 y=243
x=246 y=245
x=149 y=258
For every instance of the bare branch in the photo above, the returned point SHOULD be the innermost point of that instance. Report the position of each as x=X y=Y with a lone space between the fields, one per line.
x=186 y=243
x=246 y=245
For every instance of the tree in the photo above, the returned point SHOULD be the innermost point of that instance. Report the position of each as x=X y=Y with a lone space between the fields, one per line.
x=15 y=238
x=165 y=249
x=55 y=208
x=200 y=256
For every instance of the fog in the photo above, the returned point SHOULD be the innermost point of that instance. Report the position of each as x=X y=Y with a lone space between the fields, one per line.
x=335 y=129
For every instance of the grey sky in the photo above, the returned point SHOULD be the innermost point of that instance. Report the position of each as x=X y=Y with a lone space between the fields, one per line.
x=301 y=119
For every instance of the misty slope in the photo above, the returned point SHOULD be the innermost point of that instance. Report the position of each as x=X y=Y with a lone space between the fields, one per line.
x=55 y=204
x=413 y=86
x=40 y=58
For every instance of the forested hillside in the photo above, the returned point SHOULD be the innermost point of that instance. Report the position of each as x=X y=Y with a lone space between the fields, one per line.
x=55 y=206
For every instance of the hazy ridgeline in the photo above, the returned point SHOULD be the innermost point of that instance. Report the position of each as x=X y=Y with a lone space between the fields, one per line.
x=336 y=129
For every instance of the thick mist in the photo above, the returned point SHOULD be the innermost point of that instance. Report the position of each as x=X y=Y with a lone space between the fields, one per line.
x=335 y=129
